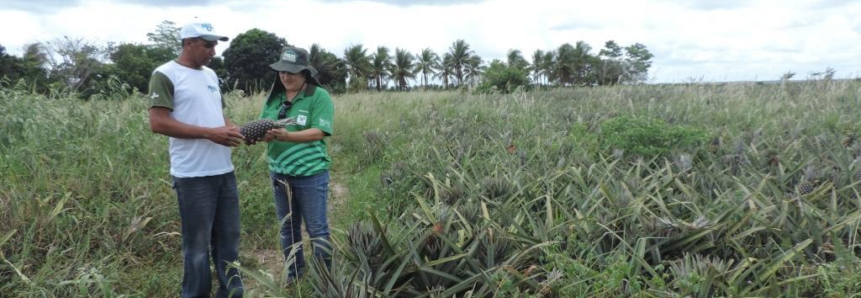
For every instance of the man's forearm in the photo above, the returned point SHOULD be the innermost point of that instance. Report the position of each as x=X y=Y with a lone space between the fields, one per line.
x=162 y=123
x=176 y=129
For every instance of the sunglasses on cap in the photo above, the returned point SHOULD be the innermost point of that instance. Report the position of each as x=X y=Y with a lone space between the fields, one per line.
x=285 y=106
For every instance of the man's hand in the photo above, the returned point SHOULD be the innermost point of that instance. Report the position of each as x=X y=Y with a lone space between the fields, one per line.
x=225 y=136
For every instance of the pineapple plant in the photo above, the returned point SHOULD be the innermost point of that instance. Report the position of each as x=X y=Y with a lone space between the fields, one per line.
x=808 y=183
x=849 y=140
x=254 y=131
x=805 y=187
x=452 y=195
x=856 y=163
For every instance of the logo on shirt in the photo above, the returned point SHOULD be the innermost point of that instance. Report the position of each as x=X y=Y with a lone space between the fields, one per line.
x=301 y=119
x=324 y=122
x=212 y=88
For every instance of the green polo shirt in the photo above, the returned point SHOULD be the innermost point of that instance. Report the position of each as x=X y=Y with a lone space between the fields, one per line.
x=311 y=108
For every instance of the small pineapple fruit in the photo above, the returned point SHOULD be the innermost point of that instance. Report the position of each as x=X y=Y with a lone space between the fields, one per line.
x=254 y=131
x=809 y=181
x=805 y=187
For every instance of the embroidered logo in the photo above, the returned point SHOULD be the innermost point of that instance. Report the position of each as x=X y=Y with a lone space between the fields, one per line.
x=154 y=95
x=212 y=88
x=206 y=26
x=301 y=119
x=325 y=123
x=289 y=56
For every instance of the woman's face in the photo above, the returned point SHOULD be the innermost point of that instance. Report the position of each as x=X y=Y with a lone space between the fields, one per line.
x=292 y=81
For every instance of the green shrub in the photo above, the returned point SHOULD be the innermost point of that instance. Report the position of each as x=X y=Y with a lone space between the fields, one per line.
x=648 y=136
x=501 y=78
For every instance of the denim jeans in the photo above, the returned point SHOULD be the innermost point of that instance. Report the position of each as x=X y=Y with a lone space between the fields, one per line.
x=306 y=200
x=209 y=210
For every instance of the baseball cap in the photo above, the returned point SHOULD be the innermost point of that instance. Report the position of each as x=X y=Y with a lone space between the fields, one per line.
x=201 y=30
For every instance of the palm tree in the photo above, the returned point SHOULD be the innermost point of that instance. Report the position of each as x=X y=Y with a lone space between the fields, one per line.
x=403 y=68
x=426 y=63
x=563 y=65
x=538 y=65
x=381 y=63
x=446 y=69
x=516 y=60
x=547 y=67
x=474 y=69
x=460 y=54
x=357 y=61
x=329 y=67
x=582 y=64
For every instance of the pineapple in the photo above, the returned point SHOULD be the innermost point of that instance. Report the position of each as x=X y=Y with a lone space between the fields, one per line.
x=255 y=130
x=809 y=181
x=805 y=187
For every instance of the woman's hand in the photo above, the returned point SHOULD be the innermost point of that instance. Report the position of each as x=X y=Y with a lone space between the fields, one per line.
x=275 y=134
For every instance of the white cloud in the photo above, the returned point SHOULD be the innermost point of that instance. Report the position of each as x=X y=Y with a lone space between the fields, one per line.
x=732 y=40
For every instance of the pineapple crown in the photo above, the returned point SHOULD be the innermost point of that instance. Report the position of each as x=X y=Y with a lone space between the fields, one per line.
x=285 y=122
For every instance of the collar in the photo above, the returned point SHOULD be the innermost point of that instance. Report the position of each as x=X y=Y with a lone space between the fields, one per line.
x=309 y=91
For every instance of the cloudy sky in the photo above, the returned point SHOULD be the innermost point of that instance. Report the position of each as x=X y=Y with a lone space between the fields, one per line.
x=709 y=40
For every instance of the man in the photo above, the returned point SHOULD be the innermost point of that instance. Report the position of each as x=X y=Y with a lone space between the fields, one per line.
x=187 y=106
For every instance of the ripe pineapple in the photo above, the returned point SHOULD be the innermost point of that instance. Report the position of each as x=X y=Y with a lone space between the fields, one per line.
x=254 y=131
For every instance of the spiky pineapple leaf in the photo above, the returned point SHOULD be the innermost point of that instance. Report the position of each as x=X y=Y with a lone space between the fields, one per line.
x=768 y=270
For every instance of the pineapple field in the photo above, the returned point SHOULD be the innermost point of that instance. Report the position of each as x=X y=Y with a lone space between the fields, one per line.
x=686 y=190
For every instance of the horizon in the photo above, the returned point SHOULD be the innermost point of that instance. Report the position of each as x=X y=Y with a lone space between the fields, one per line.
x=691 y=40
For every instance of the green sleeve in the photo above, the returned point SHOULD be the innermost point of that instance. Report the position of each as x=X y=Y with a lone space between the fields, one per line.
x=323 y=114
x=160 y=91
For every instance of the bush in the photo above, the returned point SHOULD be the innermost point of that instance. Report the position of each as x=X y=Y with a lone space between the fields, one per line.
x=503 y=79
x=357 y=85
x=648 y=136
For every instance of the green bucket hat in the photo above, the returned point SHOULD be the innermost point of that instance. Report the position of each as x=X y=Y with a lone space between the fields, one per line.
x=295 y=60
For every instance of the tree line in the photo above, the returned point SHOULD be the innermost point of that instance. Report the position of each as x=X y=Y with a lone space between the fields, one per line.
x=76 y=65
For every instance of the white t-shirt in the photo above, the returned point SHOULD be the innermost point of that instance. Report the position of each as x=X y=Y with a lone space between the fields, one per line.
x=194 y=98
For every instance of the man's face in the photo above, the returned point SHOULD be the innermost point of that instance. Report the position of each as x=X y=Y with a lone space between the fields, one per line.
x=201 y=50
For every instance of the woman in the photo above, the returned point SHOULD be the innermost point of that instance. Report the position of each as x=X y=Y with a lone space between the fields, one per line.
x=298 y=157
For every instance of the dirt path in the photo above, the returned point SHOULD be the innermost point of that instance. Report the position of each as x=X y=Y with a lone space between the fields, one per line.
x=270 y=259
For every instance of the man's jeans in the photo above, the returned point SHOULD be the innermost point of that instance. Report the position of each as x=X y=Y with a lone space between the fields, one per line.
x=306 y=200
x=209 y=209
